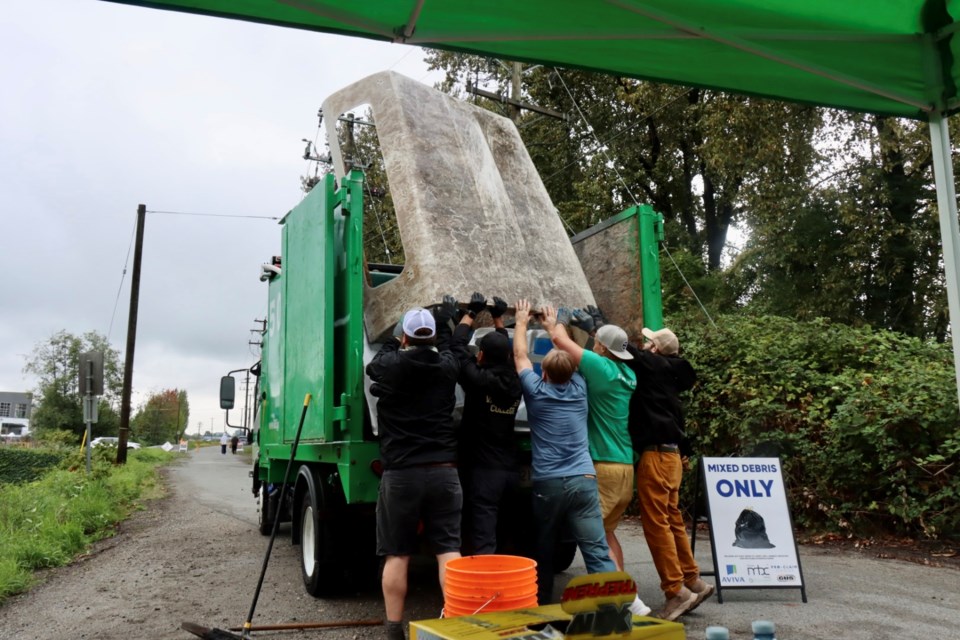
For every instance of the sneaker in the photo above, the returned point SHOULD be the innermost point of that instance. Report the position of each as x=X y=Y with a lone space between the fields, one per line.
x=394 y=630
x=637 y=607
x=678 y=605
x=703 y=590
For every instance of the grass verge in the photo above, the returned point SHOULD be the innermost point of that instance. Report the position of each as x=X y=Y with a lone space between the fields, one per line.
x=48 y=522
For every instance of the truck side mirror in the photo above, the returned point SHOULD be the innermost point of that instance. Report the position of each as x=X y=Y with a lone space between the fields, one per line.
x=228 y=391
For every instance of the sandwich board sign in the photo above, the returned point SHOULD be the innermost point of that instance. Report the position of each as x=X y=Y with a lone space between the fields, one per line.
x=751 y=531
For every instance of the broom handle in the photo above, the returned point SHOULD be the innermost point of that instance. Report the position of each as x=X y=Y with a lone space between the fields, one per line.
x=276 y=519
x=310 y=625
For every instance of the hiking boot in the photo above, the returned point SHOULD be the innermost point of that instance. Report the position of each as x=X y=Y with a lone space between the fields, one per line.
x=637 y=607
x=703 y=590
x=394 y=630
x=678 y=605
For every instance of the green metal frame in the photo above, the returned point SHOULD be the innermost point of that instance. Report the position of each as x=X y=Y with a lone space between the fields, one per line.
x=649 y=230
x=650 y=225
x=315 y=338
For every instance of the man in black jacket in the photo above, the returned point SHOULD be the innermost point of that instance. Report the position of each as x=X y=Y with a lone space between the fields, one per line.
x=415 y=378
x=488 y=447
x=657 y=429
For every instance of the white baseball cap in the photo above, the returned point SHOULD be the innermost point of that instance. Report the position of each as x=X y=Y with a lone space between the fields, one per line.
x=417 y=319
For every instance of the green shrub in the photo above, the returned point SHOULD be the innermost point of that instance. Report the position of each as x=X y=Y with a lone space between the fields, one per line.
x=59 y=438
x=103 y=460
x=13 y=577
x=46 y=523
x=865 y=422
x=18 y=464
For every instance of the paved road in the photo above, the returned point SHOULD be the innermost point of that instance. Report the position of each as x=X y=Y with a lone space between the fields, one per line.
x=196 y=557
x=849 y=595
x=219 y=481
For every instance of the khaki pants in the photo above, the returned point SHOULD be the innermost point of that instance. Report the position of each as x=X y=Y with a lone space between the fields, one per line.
x=658 y=492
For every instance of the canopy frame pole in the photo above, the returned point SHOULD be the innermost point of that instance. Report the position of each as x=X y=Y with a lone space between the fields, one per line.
x=344 y=16
x=949 y=226
x=411 y=25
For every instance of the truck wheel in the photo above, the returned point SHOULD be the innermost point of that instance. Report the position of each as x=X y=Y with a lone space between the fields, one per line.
x=322 y=577
x=266 y=513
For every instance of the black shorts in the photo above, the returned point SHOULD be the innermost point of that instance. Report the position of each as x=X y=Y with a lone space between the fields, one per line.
x=430 y=495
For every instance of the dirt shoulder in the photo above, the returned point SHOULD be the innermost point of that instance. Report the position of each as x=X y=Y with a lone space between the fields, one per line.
x=194 y=555
x=931 y=553
x=164 y=563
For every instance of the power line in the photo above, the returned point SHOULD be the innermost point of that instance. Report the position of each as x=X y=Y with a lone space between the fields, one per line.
x=602 y=148
x=126 y=262
x=120 y=287
x=211 y=215
x=616 y=135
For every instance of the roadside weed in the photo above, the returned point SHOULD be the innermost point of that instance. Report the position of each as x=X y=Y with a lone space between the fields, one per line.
x=48 y=522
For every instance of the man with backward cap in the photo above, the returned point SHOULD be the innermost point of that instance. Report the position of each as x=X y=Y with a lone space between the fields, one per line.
x=415 y=377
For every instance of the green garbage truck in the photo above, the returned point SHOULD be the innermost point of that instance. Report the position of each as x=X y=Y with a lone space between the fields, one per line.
x=472 y=215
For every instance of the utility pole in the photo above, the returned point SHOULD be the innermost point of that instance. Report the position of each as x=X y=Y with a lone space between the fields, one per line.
x=180 y=433
x=513 y=102
x=515 y=87
x=131 y=338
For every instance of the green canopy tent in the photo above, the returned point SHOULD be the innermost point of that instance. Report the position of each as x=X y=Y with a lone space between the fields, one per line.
x=893 y=57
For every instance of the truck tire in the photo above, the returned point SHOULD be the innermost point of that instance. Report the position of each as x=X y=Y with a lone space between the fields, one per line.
x=267 y=511
x=322 y=573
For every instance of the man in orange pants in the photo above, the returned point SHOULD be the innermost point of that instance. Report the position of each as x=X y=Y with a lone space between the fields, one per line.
x=656 y=428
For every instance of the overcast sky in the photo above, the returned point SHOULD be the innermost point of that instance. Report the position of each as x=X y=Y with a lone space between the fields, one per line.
x=106 y=106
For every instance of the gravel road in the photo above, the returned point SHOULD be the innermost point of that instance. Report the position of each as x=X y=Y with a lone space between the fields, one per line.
x=196 y=555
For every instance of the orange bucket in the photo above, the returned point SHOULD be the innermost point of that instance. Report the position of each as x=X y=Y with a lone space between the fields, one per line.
x=478 y=584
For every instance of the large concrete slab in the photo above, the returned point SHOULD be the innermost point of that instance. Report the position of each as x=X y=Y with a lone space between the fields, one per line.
x=472 y=211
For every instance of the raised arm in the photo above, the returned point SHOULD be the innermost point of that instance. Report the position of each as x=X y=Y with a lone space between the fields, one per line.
x=384 y=360
x=558 y=334
x=496 y=312
x=520 y=357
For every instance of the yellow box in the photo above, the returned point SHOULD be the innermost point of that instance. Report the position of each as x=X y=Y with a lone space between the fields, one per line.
x=527 y=624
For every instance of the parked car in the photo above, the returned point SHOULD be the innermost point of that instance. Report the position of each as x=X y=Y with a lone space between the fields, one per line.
x=107 y=441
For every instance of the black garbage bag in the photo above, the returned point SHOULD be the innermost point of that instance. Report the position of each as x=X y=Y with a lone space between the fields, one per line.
x=750 y=531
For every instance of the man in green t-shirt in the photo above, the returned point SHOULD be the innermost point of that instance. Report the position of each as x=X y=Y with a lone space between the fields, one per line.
x=610 y=385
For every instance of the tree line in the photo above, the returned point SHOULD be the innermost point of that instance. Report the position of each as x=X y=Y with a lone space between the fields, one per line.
x=822 y=336
x=838 y=209
x=55 y=363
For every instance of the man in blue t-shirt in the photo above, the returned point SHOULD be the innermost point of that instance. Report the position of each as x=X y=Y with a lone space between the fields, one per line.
x=610 y=385
x=564 y=481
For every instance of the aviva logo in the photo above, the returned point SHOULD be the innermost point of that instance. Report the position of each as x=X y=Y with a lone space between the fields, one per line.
x=731 y=569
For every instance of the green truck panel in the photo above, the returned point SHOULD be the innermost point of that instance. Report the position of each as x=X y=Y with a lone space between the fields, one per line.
x=311 y=346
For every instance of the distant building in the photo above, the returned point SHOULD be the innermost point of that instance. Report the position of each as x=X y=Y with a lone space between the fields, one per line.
x=15 y=409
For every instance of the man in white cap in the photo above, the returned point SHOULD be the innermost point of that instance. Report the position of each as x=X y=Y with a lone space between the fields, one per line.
x=415 y=377
x=657 y=429
x=610 y=385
